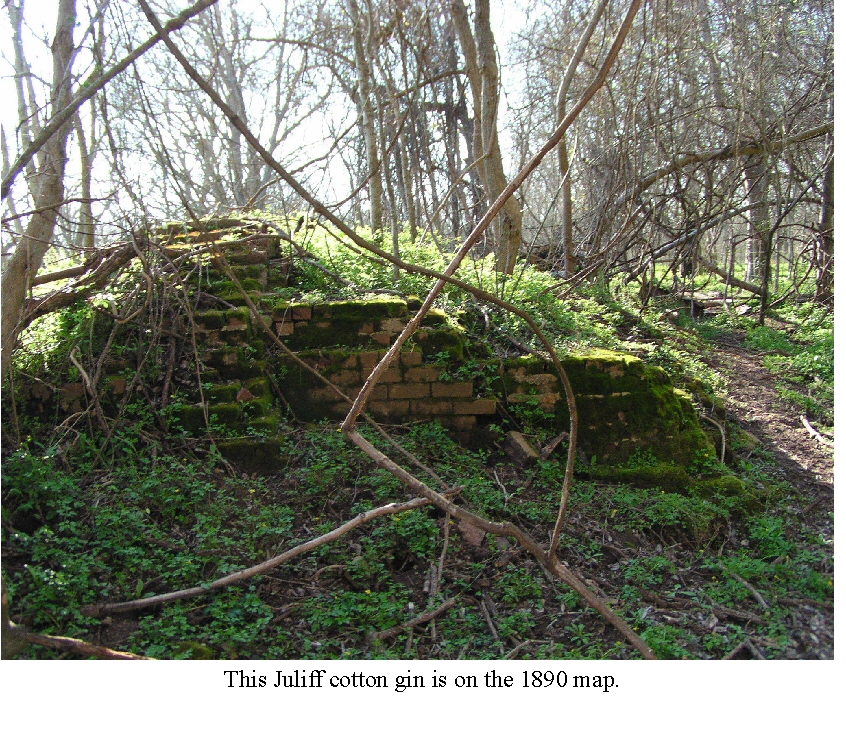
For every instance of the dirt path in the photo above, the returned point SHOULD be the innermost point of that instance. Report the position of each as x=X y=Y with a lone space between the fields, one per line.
x=754 y=403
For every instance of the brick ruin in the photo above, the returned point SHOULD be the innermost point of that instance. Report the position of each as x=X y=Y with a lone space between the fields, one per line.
x=249 y=387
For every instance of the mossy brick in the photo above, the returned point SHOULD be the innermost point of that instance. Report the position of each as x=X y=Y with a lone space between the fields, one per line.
x=265 y=424
x=411 y=358
x=369 y=359
x=258 y=386
x=414 y=302
x=211 y=320
x=191 y=418
x=664 y=476
x=224 y=392
x=462 y=423
x=237 y=319
x=248 y=454
x=257 y=407
x=282 y=309
x=408 y=391
x=392 y=325
x=226 y=413
x=368 y=310
x=452 y=389
x=253 y=271
x=435 y=317
x=228 y=356
x=115 y=385
x=449 y=341
x=243 y=369
x=258 y=348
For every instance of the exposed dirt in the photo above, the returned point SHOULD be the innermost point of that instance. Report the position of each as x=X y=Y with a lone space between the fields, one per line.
x=753 y=403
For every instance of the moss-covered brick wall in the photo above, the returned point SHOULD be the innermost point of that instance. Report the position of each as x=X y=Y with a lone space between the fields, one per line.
x=247 y=385
x=623 y=405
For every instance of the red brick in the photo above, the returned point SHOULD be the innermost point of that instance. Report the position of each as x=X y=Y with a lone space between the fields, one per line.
x=285 y=328
x=454 y=389
x=409 y=391
x=464 y=424
x=346 y=377
x=369 y=359
x=391 y=375
x=431 y=407
x=301 y=312
x=423 y=374
x=382 y=337
x=476 y=407
x=411 y=358
x=389 y=409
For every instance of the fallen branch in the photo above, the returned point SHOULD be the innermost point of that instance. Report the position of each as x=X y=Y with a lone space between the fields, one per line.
x=722 y=430
x=261 y=568
x=506 y=529
x=815 y=435
x=421 y=619
x=77 y=646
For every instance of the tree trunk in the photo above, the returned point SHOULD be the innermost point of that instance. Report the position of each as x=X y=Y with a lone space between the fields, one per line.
x=483 y=74
x=755 y=171
x=361 y=43
x=825 y=281
x=29 y=253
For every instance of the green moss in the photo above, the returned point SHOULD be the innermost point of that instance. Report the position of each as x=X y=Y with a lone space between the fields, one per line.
x=212 y=320
x=666 y=477
x=191 y=419
x=257 y=408
x=253 y=456
x=435 y=317
x=267 y=424
x=225 y=413
x=224 y=392
x=732 y=492
x=259 y=386
x=360 y=311
x=451 y=341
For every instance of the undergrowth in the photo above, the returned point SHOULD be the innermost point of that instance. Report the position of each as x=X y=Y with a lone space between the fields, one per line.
x=86 y=523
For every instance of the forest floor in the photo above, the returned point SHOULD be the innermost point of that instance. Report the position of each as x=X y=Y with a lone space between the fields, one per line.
x=698 y=577
x=753 y=402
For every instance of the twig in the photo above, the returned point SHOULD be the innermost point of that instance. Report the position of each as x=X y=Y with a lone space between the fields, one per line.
x=815 y=435
x=546 y=451
x=489 y=620
x=437 y=584
x=755 y=652
x=417 y=621
x=722 y=434
x=746 y=584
